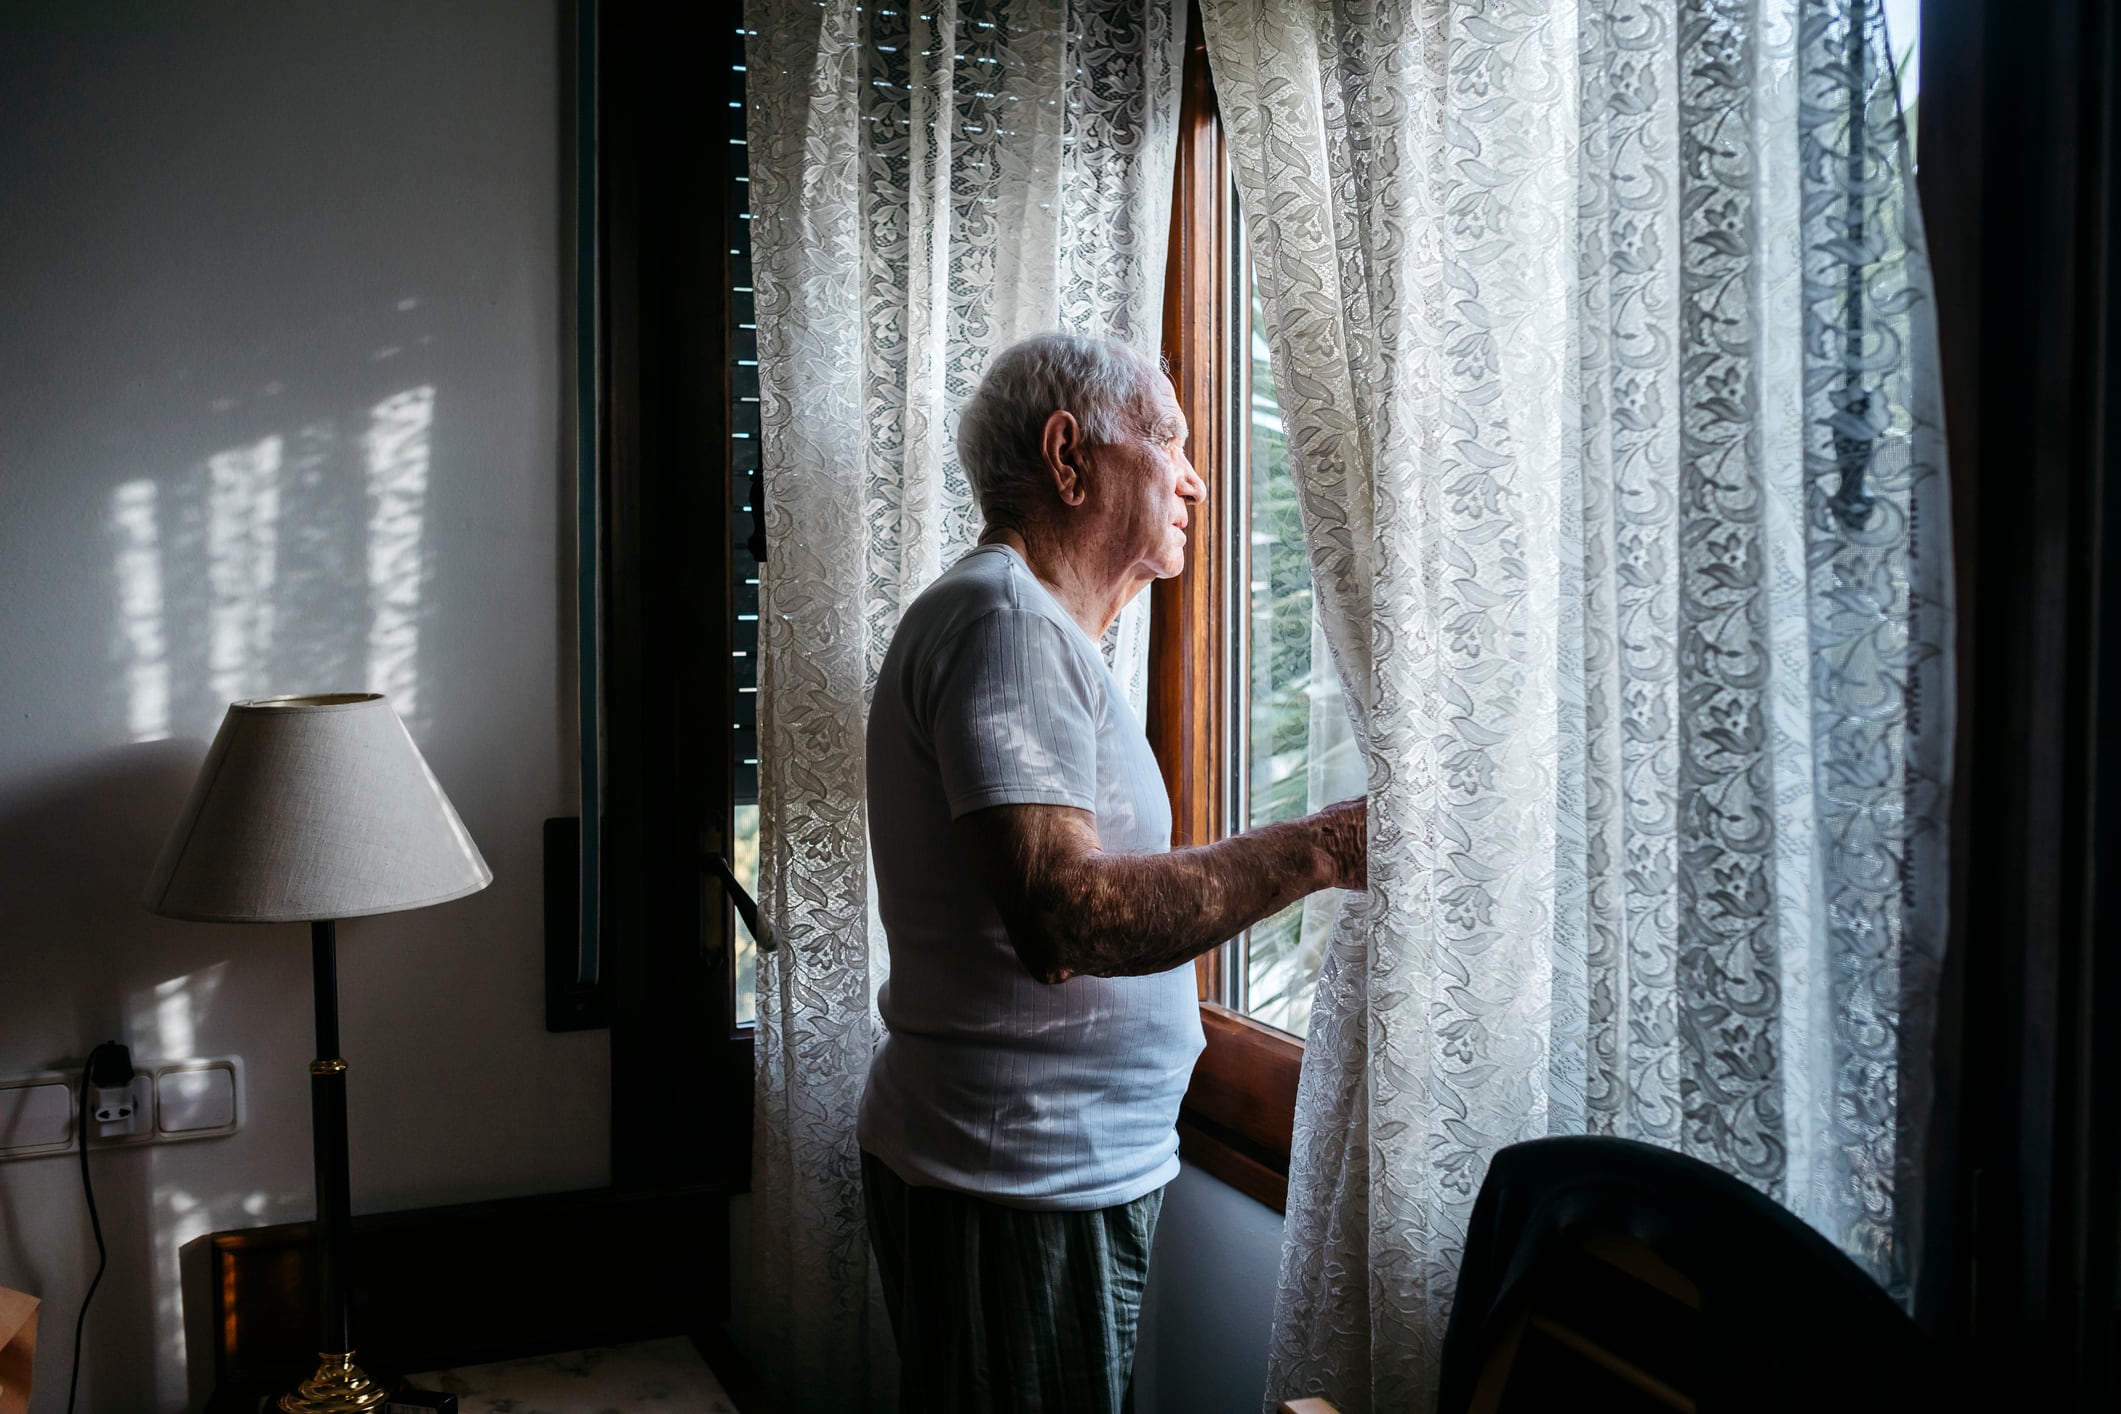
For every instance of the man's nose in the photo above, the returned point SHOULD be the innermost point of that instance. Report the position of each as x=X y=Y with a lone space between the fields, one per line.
x=1191 y=487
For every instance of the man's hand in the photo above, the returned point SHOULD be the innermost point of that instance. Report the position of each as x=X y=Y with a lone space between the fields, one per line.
x=1343 y=842
x=1071 y=909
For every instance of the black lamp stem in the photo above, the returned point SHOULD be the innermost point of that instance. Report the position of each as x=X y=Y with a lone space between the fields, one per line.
x=327 y=1104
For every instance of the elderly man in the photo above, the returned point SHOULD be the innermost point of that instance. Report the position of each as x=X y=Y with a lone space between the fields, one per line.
x=1018 y=1126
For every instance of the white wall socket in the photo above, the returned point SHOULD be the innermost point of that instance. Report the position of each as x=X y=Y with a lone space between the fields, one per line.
x=110 y=1117
x=171 y=1101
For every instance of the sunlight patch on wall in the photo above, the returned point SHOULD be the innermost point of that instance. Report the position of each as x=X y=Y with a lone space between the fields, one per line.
x=179 y=1218
x=143 y=642
x=292 y=560
x=168 y=1020
x=242 y=544
x=166 y=1017
x=398 y=449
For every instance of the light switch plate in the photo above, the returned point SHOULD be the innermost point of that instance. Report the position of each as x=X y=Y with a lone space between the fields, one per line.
x=198 y=1099
x=36 y=1116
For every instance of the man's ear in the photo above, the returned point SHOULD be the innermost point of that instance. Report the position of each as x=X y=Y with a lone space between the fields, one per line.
x=1061 y=446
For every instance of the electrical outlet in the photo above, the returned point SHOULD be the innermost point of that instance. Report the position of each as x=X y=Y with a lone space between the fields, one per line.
x=123 y=1112
x=167 y=1102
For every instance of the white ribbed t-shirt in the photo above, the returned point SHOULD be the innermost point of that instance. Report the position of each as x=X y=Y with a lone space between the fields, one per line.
x=990 y=1082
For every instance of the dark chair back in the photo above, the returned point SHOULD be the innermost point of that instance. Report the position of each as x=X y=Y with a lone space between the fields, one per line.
x=1607 y=1274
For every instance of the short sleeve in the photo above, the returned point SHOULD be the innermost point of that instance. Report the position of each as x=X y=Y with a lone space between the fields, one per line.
x=1012 y=714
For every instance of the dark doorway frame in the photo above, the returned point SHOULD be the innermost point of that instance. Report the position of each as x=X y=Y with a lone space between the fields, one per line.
x=680 y=1077
x=2017 y=184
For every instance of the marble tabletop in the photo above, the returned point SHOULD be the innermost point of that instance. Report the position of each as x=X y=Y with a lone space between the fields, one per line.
x=649 y=1377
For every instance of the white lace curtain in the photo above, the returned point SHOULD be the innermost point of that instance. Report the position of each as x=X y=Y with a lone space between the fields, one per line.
x=1602 y=334
x=929 y=183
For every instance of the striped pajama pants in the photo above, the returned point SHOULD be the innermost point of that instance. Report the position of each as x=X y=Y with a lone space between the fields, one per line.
x=1004 y=1310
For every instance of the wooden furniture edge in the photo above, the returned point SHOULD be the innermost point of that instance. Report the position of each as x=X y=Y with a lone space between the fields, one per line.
x=465 y=1283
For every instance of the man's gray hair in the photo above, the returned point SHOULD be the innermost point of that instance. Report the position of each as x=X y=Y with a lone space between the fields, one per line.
x=1101 y=381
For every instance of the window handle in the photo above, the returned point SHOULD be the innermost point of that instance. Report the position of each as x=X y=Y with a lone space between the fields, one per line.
x=747 y=907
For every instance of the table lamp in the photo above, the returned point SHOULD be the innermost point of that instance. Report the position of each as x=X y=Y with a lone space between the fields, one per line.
x=309 y=810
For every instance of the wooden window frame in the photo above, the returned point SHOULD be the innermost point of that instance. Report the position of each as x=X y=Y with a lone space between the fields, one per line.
x=1240 y=1110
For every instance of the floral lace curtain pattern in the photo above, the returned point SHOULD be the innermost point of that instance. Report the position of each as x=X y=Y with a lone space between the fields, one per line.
x=929 y=184
x=1603 y=336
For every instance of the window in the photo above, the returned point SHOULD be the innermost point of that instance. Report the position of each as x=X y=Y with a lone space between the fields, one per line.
x=1903 y=33
x=1235 y=674
x=1245 y=706
x=1245 y=710
x=747 y=545
x=1270 y=726
x=1292 y=751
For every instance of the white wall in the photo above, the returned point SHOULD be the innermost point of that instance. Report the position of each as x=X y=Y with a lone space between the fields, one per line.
x=281 y=362
x=1210 y=1303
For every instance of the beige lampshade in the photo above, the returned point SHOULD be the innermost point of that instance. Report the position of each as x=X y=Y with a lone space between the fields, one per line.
x=310 y=808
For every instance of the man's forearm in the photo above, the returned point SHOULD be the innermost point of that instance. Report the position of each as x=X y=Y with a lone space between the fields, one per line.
x=1072 y=909
x=1125 y=915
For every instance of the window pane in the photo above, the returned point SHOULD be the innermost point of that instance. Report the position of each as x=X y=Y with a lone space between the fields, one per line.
x=1292 y=742
x=744 y=862
x=1903 y=36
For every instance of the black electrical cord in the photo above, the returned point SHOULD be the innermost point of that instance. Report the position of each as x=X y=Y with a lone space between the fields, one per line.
x=88 y=1191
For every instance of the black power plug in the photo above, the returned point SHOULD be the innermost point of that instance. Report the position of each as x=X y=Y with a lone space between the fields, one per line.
x=110 y=1075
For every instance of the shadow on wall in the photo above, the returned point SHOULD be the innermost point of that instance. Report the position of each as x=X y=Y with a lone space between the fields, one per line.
x=282 y=377
x=289 y=562
x=220 y=534
x=64 y=839
x=79 y=844
x=293 y=562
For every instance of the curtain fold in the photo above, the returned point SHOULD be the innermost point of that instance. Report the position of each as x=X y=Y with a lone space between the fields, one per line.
x=928 y=184
x=1602 y=335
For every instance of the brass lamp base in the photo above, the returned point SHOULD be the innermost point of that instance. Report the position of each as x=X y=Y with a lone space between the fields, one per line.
x=338 y=1387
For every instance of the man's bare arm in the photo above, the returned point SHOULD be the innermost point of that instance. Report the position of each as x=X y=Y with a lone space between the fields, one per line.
x=1073 y=910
